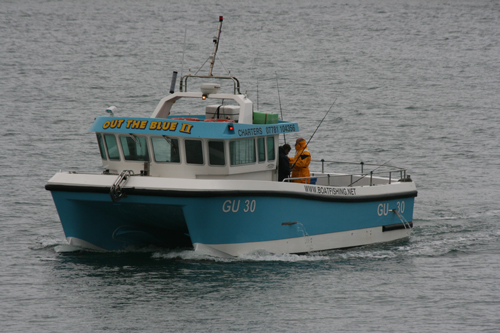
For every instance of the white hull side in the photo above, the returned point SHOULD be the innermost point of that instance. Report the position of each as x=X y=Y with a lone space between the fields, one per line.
x=306 y=244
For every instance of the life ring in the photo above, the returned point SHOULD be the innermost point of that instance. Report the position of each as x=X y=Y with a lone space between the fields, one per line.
x=219 y=121
x=187 y=119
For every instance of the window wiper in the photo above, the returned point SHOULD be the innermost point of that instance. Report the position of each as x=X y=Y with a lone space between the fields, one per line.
x=170 y=143
x=135 y=139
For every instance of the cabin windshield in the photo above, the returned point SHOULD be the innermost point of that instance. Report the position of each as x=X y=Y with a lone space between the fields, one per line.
x=166 y=156
x=166 y=149
x=194 y=151
x=261 y=147
x=135 y=148
x=112 y=147
x=271 y=154
x=216 y=153
x=242 y=151
x=102 y=150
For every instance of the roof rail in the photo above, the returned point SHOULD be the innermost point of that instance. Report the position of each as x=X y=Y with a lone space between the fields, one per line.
x=236 y=82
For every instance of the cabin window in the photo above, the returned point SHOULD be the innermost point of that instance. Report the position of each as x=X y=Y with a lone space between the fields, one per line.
x=242 y=151
x=271 y=155
x=101 y=146
x=194 y=151
x=261 y=148
x=135 y=148
x=112 y=147
x=166 y=149
x=216 y=153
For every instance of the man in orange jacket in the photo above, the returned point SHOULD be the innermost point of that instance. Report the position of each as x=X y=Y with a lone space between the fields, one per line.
x=301 y=161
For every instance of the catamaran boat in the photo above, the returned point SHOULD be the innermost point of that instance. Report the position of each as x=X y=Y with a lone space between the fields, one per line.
x=209 y=182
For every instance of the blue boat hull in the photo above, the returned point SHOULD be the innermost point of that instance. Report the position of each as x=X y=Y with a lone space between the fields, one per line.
x=91 y=219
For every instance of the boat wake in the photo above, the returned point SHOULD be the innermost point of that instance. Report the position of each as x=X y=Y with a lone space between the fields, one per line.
x=184 y=254
x=67 y=248
x=259 y=255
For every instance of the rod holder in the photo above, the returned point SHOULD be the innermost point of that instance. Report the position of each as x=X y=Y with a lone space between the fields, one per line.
x=172 y=84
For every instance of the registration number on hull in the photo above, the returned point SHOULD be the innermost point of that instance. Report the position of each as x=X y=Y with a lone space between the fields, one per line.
x=234 y=206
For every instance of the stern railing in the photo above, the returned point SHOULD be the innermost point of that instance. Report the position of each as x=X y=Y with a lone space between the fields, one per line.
x=380 y=174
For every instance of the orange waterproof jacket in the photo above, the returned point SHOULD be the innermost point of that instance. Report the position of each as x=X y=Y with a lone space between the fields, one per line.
x=301 y=160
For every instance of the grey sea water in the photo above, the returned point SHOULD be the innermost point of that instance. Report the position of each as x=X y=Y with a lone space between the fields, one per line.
x=416 y=83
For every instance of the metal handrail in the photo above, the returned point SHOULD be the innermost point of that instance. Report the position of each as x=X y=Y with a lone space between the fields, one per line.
x=236 y=82
x=401 y=171
x=287 y=180
x=392 y=169
x=359 y=163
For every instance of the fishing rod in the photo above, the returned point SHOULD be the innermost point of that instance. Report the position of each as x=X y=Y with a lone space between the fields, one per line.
x=322 y=120
x=279 y=99
x=307 y=143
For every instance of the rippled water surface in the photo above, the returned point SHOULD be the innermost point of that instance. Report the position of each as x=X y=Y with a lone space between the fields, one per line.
x=415 y=83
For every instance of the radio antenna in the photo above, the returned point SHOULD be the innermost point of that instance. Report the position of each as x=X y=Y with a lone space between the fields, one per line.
x=257 y=93
x=216 y=46
x=279 y=99
x=183 y=50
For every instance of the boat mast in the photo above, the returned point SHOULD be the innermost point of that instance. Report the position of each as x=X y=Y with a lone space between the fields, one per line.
x=236 y=82
x=216 y=46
